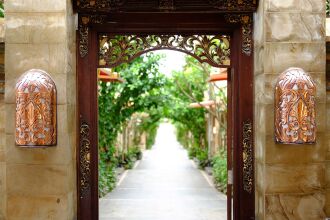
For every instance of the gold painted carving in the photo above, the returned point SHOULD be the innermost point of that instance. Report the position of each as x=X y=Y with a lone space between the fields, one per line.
x=231 y=5
x=166 y=4
x=85 y=162
x=35 y=110
x=295 y=108
x=212 y=49
x=84 y=23
x=246 y=21
x=83 y=41
x=99 y=4
x=247 y=157
x=136 y=5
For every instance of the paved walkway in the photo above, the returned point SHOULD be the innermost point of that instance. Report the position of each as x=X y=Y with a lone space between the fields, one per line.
x=164 y=186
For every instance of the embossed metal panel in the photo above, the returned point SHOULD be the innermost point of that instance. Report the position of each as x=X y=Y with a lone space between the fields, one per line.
x=35 y=110
x=295 y=108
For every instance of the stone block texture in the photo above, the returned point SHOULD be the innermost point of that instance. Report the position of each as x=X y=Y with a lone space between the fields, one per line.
x=39 y=184
x=292 y=180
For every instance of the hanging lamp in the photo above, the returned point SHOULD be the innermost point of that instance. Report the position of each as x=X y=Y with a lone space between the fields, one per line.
x=106 y=75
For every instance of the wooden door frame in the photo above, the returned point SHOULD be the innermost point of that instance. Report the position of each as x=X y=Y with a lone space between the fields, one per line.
x=240 y=119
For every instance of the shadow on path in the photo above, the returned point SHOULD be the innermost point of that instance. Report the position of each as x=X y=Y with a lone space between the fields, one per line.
x=164 y=186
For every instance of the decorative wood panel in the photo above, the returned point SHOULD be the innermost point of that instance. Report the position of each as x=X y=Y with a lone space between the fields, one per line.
x=248 y=173
x=35 y=109
x=295 y=108
x=212 y=49
x=246 y=21
x=165 y=5
x=84 y=159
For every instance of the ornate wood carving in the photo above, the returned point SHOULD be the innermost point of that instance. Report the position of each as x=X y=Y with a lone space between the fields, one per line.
x=151 y=5
x=248 y=173
x=213 y=49
x=99 y=4
x=166 y=4
x=84 y=160
x=232 y=5
x=246 y=21
x=84 y=22
x=295 y=108
x=35 y=109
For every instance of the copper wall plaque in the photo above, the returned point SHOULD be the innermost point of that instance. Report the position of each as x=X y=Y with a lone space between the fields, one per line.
x=295 y=108
x=35 y=110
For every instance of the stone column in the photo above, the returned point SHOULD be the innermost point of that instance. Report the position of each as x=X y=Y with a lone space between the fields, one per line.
x=290 y=179
x=41 y=183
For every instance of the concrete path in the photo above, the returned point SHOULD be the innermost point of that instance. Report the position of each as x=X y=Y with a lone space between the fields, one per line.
x=164 y=186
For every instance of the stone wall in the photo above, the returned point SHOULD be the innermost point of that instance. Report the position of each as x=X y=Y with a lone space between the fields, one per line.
x=291 y=179
x=41 y=183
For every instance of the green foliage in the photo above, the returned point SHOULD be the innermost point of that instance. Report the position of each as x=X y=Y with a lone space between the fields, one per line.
x=150 y=124
x=192 y=152
x=182 y=135
x=182 y=88
x=328 y=7
x=126 y=160
x=136 y=152
x=2 y=11
x=117 y=103
x=200 y=154
x=219 y=163
x=151 y=137
x=203 y=160
x=107 y=178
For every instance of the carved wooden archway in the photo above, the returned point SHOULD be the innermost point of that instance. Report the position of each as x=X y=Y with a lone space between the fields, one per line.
x=163 y=22
x=211 y=49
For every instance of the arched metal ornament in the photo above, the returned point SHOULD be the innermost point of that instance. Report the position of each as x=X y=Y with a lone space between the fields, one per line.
x=295 y=108
x=35 y=110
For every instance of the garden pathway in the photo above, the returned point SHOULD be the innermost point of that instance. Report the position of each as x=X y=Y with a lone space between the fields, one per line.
x=164 y=186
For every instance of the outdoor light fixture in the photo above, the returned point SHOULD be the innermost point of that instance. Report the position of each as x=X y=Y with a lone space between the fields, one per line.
x=106 y=75
x=295 y=108
x=35 y=110
x=222 y=76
